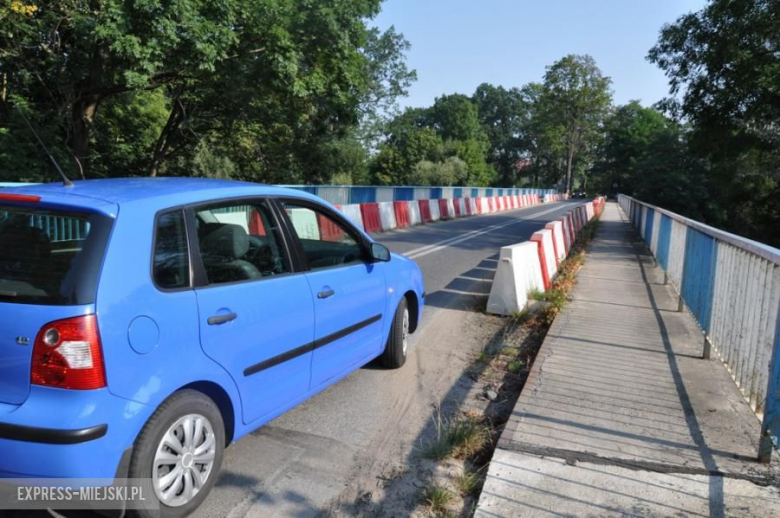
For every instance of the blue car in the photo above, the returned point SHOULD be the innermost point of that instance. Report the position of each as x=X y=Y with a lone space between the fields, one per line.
x=147 y=323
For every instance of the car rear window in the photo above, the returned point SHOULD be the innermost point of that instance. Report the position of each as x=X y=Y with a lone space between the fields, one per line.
x=50 y=257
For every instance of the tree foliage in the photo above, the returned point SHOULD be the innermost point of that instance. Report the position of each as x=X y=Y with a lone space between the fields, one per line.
x=267 y=84
x=723 y=64
x=574 y=100
x=645 y=154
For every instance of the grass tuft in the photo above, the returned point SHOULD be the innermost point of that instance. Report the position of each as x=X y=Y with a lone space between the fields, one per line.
x=468 y=482
x=515 y=366
x=438 y=498
x=461 y=437
x=484 y=356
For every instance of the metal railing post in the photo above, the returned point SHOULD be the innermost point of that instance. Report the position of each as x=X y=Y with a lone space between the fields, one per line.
x=770 y=435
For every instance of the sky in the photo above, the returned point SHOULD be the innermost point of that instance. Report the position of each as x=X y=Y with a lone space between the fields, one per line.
x=459 y=44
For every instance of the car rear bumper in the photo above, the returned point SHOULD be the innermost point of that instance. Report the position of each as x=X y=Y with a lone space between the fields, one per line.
x=68 y=434
x=37 y=434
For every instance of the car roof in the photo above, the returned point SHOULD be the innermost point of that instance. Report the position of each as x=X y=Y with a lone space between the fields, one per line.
x=158 y=192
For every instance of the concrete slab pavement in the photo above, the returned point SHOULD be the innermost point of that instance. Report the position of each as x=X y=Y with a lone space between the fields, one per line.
x=620 y=415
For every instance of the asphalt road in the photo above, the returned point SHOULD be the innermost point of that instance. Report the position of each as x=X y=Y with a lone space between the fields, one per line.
x=304 y=460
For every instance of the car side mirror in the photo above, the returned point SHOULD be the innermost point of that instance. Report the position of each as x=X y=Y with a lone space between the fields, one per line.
x=380 y=253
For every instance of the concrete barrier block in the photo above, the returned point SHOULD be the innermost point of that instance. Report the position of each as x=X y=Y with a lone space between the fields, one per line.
x=414 y=213
x=444 y=209
x=435 y=212
x=545 y=237
x=519 y=272
x=387 y=215
x=401 y=213
x=352 y=212
x=451 y=207
x=474 y=210
x=567 y=241
x=558 y=242
x=371 y=220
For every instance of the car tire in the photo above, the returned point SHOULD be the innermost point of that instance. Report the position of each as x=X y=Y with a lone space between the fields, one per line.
x=398 y=342
x=152 y=454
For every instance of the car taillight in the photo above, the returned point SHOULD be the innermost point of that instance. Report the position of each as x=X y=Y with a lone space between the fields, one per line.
x=67 y=354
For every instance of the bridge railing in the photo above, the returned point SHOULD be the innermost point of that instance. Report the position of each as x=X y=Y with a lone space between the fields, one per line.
x=731 y=285
x=352 y=194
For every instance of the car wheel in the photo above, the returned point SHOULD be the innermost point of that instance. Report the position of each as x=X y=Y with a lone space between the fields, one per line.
x=178 y=454
x=398 y=342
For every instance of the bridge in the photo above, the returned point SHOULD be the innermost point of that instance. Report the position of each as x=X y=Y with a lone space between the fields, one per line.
x=656 y=390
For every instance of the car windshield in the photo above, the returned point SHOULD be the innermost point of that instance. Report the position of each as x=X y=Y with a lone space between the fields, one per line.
x=50 y=257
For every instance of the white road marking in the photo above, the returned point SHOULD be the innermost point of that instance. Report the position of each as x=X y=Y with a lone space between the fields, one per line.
x=435 y=247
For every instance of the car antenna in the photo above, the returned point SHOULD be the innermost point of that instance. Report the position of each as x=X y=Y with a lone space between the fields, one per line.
x=65 y=180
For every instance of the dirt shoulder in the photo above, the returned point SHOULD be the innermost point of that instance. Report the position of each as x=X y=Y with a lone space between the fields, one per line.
x=459 y=389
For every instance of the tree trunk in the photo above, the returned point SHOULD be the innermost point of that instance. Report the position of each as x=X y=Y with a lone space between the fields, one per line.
x=569 y=161
x=82 y=118
x=163 y=143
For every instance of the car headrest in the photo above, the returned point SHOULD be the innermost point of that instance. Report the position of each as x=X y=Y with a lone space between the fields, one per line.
x=228 y=241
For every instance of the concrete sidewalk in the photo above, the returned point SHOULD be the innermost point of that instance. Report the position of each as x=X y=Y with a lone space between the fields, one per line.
x=620 y=415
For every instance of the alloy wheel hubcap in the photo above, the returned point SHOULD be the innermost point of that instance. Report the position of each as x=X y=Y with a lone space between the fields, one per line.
x=184 y=460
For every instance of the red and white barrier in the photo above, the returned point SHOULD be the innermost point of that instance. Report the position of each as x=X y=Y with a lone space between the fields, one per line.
x=352 y=212
x=387 y=215
x=519 y=272
x=371 y=220
x=435 y=210
x=444 y=209
x=558 y=242
x=401 y=209
x=534 y=264
x=544 y=240
x=414 y=213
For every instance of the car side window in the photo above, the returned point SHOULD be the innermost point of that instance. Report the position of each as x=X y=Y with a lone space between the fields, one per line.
x=325 y=241
x=171 y=267
x=240 y=241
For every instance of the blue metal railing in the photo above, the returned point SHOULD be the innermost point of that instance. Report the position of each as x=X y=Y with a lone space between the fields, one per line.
x=731 y=285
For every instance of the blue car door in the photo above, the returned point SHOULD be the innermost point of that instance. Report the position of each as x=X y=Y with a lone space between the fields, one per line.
x=256 y=314
x=348 y=289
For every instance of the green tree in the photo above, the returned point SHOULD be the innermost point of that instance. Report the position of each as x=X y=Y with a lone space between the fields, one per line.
x=454 y=117
x=502 y=113
x=723 y=64
x=541 y=139
x=271 y=84
x=574 y=100
x=404 y=148
x=452 y=171
x=645 y=154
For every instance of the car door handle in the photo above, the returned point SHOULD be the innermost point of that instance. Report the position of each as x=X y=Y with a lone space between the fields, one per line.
x=221 y=319
x=325 y=294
